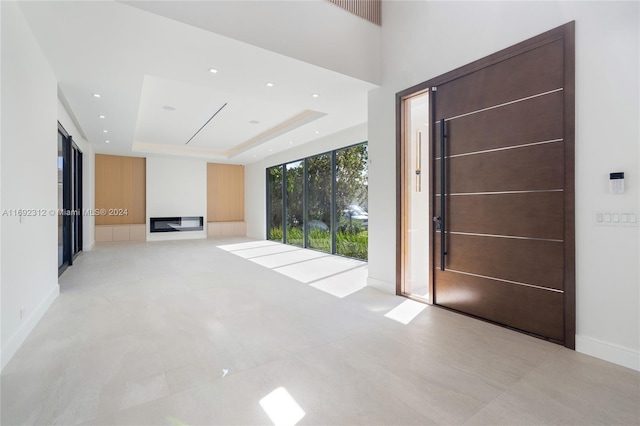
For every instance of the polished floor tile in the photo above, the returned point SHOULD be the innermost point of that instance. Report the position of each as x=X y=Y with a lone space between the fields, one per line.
x=242 y=332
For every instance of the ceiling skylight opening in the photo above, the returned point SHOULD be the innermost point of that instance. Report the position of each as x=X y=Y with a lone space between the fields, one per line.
x=213 y=70
x=101 y=116
x=107 y=141
x=105 y=131
x=96 y=95
x=315 y=95
x=270 y=84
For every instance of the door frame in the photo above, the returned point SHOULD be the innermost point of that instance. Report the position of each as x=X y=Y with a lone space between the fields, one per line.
x=566 y=33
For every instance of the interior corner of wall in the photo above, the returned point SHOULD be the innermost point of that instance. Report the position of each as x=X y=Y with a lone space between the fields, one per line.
x=381 y=285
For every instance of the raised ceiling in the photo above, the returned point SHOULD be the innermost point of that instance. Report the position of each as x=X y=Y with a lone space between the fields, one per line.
x=158 y=96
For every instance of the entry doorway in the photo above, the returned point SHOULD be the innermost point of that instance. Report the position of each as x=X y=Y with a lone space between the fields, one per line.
x=493 y=237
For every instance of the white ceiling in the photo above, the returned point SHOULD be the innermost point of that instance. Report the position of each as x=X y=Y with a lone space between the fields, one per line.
x=140 y=62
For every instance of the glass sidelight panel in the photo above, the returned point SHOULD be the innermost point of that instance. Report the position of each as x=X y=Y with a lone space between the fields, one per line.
x=352 y=217
x=319 y=204
x=274 y=203
x=418 y=222
x=294 y=203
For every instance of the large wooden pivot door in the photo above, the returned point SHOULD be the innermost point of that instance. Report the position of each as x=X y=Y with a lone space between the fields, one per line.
x=502 y=187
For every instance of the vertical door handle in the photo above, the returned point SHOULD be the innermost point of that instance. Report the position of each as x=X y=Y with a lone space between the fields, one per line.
x=418 y=161
x=443 y=188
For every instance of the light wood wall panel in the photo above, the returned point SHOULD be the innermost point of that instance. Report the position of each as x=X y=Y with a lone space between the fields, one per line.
x=120 y=185
x=225 y=193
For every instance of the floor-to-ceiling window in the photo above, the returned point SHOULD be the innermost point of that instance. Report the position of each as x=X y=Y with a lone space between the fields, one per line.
x=321 y=202
x=274 y=203
x=294 y=201
x=69 y=199
x=352 y=236
x=61 y=222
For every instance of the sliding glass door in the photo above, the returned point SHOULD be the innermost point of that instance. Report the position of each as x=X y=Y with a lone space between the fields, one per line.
x=69 y=200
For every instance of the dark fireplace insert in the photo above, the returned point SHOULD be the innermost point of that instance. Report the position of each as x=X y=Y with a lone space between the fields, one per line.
x=176 y=224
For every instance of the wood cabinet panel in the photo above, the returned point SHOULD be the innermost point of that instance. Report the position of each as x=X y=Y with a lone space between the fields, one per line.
x=120 y=186
x=225 y=193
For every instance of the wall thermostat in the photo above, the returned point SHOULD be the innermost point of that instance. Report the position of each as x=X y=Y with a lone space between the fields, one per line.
x=616 y=183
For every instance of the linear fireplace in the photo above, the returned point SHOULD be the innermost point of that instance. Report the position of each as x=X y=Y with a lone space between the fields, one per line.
x=176 y=224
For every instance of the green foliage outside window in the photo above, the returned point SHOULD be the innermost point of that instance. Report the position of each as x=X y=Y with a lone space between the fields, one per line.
x=351 y=202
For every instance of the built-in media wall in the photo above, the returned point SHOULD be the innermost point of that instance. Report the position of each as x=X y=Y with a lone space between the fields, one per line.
x=176 y=188
x=134 y=192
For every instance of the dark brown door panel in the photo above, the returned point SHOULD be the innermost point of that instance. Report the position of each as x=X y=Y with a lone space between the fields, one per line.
x=507 y=185
x=538 y=167
x=505 y=258
x=530 y=309
x=536 y=71
x=535 y=120
x=530 y=214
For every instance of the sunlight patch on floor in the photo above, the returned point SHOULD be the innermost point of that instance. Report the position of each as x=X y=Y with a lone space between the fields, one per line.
x=336 y=275
x=406 y=311
x=281 y=408
x=247 y=245
x=344 y=284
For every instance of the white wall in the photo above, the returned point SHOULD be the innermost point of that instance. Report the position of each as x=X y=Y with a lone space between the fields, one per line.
x=29 y=169
x=424 y=39
x=255 y=174
x=325 y=34
x=176 y=187
x=88 y=175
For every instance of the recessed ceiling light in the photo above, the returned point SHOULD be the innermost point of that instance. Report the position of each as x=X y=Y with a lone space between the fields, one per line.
x=107 y=141
x=270 y=84
x=96 y=95
x=254 y=122
x=101 y=116
x=290 y=141
x=315 y=95
x=270 y=150
x=169 y=108
x=105 y=131
x=317 y=131
x=254 y=156
x=213 y=70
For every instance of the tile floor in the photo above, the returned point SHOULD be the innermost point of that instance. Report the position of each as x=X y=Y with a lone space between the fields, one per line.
x=252 y=332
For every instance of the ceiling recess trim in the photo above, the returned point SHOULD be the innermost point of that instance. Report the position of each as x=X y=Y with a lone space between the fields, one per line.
x=292 y=123
x=156 y=148
x=298 y=120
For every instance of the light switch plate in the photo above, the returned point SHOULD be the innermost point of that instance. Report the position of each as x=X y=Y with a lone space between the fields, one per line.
x=620 y=218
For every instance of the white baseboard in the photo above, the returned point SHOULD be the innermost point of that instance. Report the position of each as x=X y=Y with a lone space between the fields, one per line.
x=381 y=285
x=18 y=338
x=608 y=352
